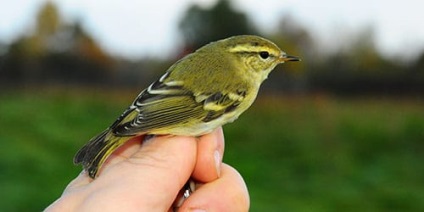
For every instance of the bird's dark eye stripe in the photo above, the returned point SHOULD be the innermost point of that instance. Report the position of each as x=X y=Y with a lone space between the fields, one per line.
x=264 y=54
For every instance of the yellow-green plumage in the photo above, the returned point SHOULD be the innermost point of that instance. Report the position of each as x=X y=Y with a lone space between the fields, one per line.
x=197 y=94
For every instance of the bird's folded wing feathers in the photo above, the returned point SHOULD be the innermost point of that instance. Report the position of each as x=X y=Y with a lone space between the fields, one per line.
x=169 y=104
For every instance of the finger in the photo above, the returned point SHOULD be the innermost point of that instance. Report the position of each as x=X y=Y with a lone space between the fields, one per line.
x=125 y=151
x=81 y=180
x=209 y=156
x=227 y=193
x=122 y=153
x=153 y=175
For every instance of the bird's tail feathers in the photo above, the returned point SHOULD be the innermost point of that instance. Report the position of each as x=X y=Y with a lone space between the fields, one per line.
x=97 y=150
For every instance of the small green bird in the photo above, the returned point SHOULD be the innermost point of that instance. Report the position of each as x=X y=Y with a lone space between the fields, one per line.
x=200 y=92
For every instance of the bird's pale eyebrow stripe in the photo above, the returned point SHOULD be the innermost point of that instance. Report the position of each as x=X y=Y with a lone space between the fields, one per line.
x=244 y=48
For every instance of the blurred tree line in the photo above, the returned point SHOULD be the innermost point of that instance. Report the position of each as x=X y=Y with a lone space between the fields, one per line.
x=59 y=53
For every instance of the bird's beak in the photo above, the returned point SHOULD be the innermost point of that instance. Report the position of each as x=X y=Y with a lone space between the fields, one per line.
x=285 y=58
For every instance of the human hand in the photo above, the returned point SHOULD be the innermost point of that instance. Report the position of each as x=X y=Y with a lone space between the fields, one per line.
x=149 y=176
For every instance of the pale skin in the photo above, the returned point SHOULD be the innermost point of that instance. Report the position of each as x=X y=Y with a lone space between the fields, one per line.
x=149 y=178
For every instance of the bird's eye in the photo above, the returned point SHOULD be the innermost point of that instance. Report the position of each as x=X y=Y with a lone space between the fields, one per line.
x=264 y=54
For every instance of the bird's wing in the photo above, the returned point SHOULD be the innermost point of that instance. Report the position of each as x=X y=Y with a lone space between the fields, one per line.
x=169 y=104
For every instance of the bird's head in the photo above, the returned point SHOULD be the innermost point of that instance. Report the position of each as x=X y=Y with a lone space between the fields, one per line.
x=256 y=54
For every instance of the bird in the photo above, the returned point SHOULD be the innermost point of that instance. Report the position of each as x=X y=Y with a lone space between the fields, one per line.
x=204 y=90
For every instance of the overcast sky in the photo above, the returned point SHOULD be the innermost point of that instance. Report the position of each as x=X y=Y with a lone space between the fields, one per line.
x=139 y=28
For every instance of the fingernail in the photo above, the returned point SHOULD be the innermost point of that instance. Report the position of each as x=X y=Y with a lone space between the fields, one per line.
x=217 y=157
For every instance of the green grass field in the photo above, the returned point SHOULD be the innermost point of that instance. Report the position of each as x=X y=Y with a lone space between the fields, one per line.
x=296 y=154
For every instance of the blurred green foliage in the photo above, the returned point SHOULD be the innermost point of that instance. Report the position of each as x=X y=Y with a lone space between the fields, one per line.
x=312 y=153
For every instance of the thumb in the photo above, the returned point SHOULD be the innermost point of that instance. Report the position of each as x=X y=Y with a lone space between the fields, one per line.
x=167 y=160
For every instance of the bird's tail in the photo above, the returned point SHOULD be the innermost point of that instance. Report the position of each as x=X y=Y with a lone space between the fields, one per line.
x=97 y=150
